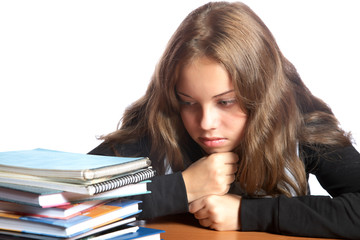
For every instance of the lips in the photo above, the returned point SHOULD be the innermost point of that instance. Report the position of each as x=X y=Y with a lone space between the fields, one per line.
x=212 y=141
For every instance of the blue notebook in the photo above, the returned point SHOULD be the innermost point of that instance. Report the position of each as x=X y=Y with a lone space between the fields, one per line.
x=57 y=164
x=140 y=233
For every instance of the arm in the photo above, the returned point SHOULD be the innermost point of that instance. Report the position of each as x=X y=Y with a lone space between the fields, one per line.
x=168 y=192
x=168 y=196
x=309 y=216
x=314 y=216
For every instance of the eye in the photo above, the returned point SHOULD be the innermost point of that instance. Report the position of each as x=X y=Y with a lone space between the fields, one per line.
x=186 y=103
x=228 y=102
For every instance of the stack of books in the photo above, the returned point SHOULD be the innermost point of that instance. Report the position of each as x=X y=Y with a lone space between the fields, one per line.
x=46 y=194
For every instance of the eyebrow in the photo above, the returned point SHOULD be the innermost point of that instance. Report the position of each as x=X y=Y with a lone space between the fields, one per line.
x=218 y=95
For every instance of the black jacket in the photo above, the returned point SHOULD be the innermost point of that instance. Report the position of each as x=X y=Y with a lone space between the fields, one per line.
x=337 y=216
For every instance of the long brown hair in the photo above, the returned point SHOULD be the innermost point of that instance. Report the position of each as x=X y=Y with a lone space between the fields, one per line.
x=282 y=112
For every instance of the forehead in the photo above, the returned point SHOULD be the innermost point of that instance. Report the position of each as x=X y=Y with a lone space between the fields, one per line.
x=204 y=75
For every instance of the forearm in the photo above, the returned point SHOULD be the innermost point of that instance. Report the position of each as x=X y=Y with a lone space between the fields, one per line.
x=310 y=216
x=168 y=196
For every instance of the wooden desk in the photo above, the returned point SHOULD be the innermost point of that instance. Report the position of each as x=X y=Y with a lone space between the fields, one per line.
x=186 y=227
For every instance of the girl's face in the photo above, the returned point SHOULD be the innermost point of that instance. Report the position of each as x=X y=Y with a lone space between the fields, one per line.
x=209 y=109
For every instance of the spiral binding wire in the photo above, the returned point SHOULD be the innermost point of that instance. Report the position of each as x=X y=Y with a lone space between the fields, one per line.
x=124 y=180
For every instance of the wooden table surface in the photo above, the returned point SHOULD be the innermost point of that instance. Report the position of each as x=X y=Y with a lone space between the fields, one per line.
x=185 y=227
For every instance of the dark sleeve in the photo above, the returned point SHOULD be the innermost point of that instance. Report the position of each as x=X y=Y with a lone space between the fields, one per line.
x=168 y=192
x=168 y=196
x=337 y=216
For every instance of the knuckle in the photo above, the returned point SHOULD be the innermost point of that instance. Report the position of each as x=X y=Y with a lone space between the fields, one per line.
x=217 y=172
x=219 y=183
x=209 y=201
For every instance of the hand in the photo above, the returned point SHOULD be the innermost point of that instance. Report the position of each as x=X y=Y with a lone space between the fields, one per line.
x=211 y=175
x=221 y=213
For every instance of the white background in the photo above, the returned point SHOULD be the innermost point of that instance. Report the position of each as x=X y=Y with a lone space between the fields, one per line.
x=69 y=68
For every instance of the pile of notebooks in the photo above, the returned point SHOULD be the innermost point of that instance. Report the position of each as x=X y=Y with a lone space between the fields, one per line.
x=46 y=194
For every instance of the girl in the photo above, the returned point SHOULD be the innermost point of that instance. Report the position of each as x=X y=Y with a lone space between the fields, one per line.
x=234 y=133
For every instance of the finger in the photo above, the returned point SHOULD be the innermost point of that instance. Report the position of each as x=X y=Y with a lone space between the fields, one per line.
x=229 y=179
x=196 y=205
x=232 y=158
x=201 y=214
x=215 y=226
x=231 y=168
x=226 y=169
x=227 y=157
x=235 y=167
x=205 y=222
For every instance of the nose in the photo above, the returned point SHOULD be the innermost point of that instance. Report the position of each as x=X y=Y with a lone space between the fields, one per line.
x=208 y=118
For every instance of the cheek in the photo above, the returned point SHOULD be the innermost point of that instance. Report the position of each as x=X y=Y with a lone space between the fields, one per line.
x=236 y=129
x=240 y=128
x=188 y=120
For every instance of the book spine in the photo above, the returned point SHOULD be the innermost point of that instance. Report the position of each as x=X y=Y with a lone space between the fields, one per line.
x=121 y=181
x=123 y=168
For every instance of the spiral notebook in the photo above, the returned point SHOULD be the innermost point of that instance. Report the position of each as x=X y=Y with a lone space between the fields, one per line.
x=88 y=189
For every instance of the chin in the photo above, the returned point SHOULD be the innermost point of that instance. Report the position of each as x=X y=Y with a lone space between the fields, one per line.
x=219 y=150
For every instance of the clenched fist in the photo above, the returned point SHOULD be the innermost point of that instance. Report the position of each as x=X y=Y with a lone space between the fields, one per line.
x=210 y=175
